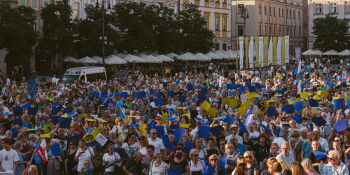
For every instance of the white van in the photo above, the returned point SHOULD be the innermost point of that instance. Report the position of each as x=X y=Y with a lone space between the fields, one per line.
x=85 y=74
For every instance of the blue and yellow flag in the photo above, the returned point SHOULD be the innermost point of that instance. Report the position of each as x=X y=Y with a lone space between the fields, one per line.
x=91 y=134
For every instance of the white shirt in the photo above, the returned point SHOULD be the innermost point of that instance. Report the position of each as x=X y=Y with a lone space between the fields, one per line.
x=160 y=170
x=288 y=159
x=110 y=160
x=158 y=145
x=324 y=144
x=199 y=167
x=8 y=158
x=84 y=156
x=253 y=135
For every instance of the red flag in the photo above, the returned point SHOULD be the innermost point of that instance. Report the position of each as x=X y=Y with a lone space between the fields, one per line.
x=42 y=151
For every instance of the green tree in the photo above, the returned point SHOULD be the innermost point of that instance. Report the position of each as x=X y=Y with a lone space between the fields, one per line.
x=330 y=33
x=196 y=37
x=17 y=35
x=89 y=33
x=57 y=39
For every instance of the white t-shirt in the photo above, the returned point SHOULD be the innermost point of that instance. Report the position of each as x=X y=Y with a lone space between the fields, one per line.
x=8 y=158
x=110 y=160
x=158 y=145
x=160 y=170
x=84 y=156
x=199 y=167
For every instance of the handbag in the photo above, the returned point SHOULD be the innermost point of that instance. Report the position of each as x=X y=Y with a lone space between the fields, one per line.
x=96 y=159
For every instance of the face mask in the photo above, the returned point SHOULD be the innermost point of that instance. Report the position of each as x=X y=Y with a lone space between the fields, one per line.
x=125 y=131
x=119 y=164
x=227 y=151
x=66 y=134
x=178 y=155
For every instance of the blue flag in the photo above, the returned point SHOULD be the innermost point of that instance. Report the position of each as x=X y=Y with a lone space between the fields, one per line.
x=37 y=159
x=56 y=150
x=340 y=126
x=178 y=133
x=32 y=87
x=64 y=122
x=297 y=118
x=203 y=132
x=266 y=128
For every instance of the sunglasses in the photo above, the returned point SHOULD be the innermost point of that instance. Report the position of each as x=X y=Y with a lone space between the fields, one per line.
x=215 y=160
x=330 y=159
x=248 y=157
x=154 y=133
x=196 y=155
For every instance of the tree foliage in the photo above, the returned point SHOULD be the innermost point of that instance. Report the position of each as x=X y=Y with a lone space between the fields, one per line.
x=17 y=35
x=330 y=33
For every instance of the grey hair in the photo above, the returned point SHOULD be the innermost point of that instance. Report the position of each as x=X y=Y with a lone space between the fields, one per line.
x=334 y=152
x=137 y=154
x=192 y=151
x=307 y=165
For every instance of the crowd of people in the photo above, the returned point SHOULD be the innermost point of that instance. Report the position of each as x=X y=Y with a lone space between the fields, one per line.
x=220 y=121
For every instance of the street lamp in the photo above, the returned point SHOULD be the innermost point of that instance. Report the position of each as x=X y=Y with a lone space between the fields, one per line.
x=244 y=15
x=103 y=38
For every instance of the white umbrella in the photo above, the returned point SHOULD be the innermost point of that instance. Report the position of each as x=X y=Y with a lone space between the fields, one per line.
x=112 y=59
x=87 y=60
x=345 y=52
x=317 y=52
x=151 y=59
x=165 y=58
x=186 y=57
x=202 y=57
x=70 y=60
x=172 y=55
x=221 y=54
x=308 y=52
x=331 y=53
x=98 y=59
x=133 y=59
x=213 y=56
x=231 y=54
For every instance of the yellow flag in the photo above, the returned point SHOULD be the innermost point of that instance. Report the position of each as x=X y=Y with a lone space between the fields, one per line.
x=296 y=100
x=205 y=105
x=225 y=101
x=101 y=120
x=232 y=102
x=323 y=93
x=165 y=116
x=142 y=128
x=305 y=94
x=45 y=136
x=316 y=97
x=48 y=128
x=246 y=104
x=269 y=101
x=181 y=107
x=184 y=125
x=212 y=112
x=64 y=115
x=290 y=101
x=250 y=96
x=188 y=115
x=241 y=111
x=91 y=136
x=90 y=120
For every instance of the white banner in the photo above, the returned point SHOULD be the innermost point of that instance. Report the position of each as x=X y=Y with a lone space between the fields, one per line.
x=279 y=51
x=241 y=52
x=101 y=139
x=261 y=51
x=286 y=50
x=270 y=52
x=297 y=53
x=251 y=52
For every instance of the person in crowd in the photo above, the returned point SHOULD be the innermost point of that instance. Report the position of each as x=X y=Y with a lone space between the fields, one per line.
x=241 y=169
x=134 y=165
x=196 y=165
x=253 y=168
x=285 y=154
x=158 y=167
x=297 y=169
x=275 y=169
x=335 y=165
x=178 y=161
x=214 y=161
x=110 y=159
x=309 y=169
x=9 y=157
x=83 y=155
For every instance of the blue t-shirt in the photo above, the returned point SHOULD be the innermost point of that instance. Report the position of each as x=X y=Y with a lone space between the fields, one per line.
x=306 y=148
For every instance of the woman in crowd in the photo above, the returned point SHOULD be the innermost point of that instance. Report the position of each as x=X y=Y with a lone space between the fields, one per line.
x=158 y=166
x=214 y=161
x=297 y=169
x=253 y=168
x=196 y=165
x=110 y=159
x=83 y=153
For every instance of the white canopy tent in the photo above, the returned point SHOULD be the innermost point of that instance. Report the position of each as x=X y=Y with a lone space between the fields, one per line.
x=231 y=54
x=151 y=59
x=165 y=58
x=133 y=59
x=172 y=55
x=308 y=52
x=186 y=57
x=345 y=52
x=87 y=60
x=113 y=60
x=331 y=53
x=317 y=52
x=98 y=59
x=213 y=56
x=70 y=60
x=202 y=57
x=221 y=54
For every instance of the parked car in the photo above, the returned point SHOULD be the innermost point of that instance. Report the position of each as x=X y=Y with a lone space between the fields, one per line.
x=125 y=74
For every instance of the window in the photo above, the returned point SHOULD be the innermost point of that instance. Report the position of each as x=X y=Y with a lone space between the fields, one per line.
x=290 y=14
x=259 y=8
x=265 y=10
x=294 y=31
x=299 y=15
x=206 y=3
x=270 y=30
x=279 y=12
x=274 y=30
x=224 y=22
x=23 y=2
x=224 y=46
x=217 y=46
x=274 y=11
x=347 y=7
x=265 y=30
x=35 y=4
x=224 y=4
x=318 y=8
x=270 y=11
x=207 y=17
x=95 y=76
x=293 y=14
x=76 y=10
x=35 y=25
x=240 y=30
x=239 y=8
x=299 y=31
x=287 y=13
x=282 y=13
x=333 y=8
x=217 y=3
x=260 y=29
x=197 y=2
x=217 y=22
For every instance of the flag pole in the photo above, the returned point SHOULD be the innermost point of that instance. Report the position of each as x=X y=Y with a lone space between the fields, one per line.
x=37 y=140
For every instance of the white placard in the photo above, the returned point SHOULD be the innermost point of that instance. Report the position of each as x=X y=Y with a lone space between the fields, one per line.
x=101 y=139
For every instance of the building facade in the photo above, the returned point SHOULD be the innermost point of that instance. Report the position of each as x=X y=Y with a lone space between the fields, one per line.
x=218 y=16
x=319 y=9
x=268 y=18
